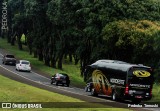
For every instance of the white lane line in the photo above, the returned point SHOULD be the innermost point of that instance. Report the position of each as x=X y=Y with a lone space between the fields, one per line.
x=153 y=109
x=52 y=86
x=40 y=75
x=77 y=88
x=1 y=54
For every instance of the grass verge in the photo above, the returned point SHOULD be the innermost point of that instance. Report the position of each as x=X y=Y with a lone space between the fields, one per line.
x=13 y=91
x=156 y=93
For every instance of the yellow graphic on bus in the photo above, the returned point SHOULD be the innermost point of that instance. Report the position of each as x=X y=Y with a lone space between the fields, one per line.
x=141 y=73
x=101 y=83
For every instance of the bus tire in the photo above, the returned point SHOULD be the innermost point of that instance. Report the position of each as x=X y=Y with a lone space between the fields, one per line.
x=93 y=92
x=114 y=96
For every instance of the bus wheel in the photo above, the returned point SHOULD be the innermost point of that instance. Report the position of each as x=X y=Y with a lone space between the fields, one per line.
x=114 y=97
x=93 y=92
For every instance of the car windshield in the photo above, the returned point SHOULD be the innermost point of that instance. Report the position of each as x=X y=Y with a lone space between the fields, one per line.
x=10 y=56
x=24 y=62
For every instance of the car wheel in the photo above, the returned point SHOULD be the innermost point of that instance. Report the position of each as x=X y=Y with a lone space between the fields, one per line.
x=18 y=69
x=51 y=82
x=86 y=89
x=56 y=83
x=93 y=92
x=114 y=97
x=67 y=85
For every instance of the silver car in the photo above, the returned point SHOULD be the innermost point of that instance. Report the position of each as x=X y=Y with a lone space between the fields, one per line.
x=9 y=59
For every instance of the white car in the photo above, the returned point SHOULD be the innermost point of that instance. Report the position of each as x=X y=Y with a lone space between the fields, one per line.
x=23 y=65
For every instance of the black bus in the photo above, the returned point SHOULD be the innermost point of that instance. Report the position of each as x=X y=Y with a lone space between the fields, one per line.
x=120 y=80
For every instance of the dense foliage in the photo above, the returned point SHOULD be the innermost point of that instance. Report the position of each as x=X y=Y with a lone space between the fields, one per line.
x=88 y=30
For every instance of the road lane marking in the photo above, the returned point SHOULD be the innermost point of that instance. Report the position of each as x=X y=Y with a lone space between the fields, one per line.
x=40 y=75
x=1 y=54
x=52 y=86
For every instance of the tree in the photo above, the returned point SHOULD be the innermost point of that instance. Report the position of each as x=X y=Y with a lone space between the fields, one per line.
x=18 y=21
x=131 y=41
x=63 y=18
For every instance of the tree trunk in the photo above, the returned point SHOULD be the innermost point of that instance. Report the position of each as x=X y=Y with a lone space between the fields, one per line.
x=82 y=66
x=65 y=56
x=12 y=40
x=19 y=42
x=3 y=34
x=40 y=55
x=30 y=50
x=20 y=45
x=60 y=61
x=70 y=57
x=47 y=60
x=53 y=62
x=76 y=59
x=46 y=57
x=85 y=56
x=35 y=53
x=52 y=52
x=9 y=37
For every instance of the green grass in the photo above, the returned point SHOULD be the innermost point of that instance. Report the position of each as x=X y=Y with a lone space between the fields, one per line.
x=23 y=38
x=18 y=92
x=72 y=70
x=156 y=93
x=13 y=91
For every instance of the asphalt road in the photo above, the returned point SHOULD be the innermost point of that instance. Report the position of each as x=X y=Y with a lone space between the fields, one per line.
x=40 y=80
